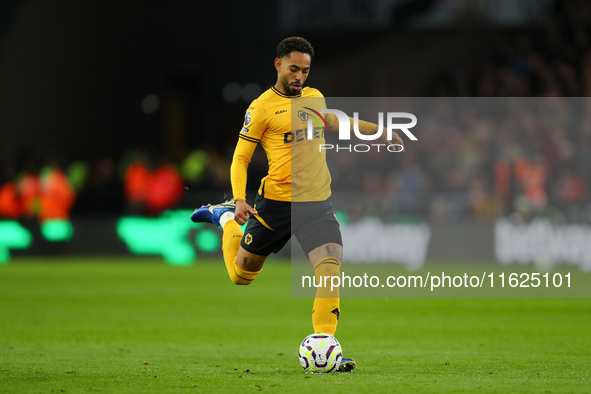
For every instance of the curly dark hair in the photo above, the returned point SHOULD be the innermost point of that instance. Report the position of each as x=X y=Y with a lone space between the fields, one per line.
x=294 y=44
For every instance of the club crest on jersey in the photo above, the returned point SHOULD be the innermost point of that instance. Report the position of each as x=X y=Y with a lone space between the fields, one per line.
x=312 y=132
x=247 y=119
x=248 y=239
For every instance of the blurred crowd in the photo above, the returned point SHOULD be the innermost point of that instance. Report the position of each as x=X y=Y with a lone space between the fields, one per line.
x=476 y=159
x=546 y=160
x=138 y=183
x=473 y=163
x=469 y=163
x=554 y=60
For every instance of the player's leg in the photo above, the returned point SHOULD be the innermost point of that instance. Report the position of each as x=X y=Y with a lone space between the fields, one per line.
x=316 y=227
x=320 y=237
x=223 y=215
x=266 y=232
x=326 y=263
x=242 y=266
x=319 y=234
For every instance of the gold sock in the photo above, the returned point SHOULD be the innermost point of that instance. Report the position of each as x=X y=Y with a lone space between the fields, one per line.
x=230 y=245
x=325 y=315
x=242 y=277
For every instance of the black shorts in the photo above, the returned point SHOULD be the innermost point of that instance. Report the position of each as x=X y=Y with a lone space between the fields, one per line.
x=313 y=223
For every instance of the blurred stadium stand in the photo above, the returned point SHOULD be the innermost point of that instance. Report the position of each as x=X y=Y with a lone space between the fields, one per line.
x=164 y=87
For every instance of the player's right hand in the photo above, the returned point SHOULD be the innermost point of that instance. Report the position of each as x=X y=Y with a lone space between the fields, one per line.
x=243 y=211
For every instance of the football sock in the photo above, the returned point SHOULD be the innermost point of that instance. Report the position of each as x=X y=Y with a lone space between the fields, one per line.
x=325 y=314
x=230 y=245
x=242 y=277
x=225 y=218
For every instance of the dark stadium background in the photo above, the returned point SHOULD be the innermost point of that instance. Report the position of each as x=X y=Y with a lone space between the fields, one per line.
x=73 y=74
x=118 y=118
x=101 y=83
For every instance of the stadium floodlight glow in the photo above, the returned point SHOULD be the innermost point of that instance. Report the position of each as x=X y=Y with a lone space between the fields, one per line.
x=12 y=236
x=57 y=230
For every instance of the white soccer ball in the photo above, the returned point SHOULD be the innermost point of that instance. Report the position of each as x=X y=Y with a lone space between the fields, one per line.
x=320 y=353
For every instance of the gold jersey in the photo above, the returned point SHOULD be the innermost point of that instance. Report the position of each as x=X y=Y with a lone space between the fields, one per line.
x=297 y=166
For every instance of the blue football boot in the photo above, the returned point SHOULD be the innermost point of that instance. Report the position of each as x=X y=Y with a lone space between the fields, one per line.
x=347 y=365
x=212 y=213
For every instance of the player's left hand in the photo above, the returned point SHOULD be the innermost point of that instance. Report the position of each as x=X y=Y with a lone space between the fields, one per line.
x=396 y=141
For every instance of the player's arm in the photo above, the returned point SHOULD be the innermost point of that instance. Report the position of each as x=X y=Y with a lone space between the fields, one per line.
x=366 y=128
x=238 y=170
x=250 y=135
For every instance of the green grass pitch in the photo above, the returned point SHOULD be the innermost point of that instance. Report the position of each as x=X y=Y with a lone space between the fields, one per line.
x=139 y=326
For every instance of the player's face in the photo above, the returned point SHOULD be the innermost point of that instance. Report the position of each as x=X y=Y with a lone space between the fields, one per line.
x=293 y=72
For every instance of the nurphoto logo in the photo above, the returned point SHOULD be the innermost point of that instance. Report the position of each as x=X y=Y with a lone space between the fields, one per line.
x=345 y=130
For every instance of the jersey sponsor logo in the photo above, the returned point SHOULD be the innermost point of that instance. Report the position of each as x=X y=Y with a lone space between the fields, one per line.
x=247 y=119
x=248 y=239
x=302 y=134
x=244 y=130
x=280 y=112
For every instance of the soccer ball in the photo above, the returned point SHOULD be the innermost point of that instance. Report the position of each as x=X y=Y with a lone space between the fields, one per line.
x=320 y=353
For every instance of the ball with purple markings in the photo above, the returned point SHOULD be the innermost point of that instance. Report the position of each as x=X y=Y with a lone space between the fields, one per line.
x=320 y=353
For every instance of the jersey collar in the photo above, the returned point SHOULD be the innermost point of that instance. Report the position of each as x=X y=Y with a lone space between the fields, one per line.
x=284 y=95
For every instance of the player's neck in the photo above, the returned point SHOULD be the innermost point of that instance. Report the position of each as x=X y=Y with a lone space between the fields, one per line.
x=279 y=87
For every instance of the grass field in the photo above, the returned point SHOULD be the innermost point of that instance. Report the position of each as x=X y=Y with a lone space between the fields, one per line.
x=138 y=326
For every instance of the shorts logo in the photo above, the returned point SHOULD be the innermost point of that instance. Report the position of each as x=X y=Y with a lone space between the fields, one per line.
x=303 y=115
x=248 y=239
x=247 y=119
